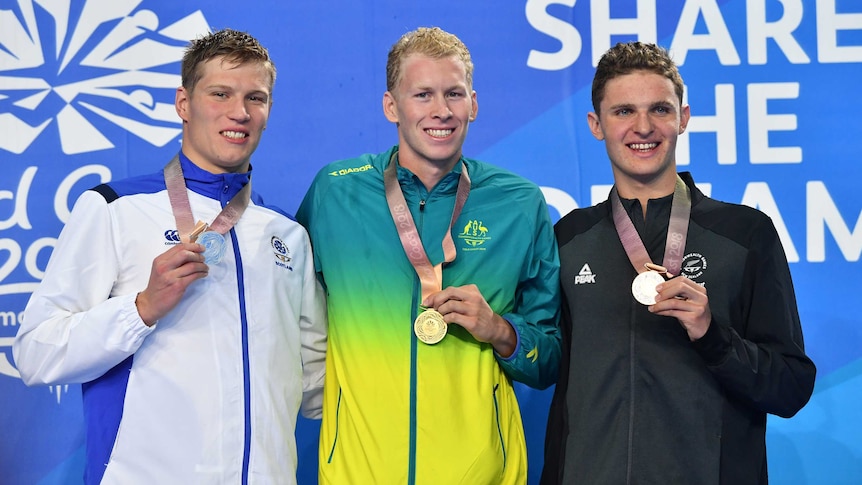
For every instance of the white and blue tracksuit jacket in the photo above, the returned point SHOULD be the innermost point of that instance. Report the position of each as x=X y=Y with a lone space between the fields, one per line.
x=210 y=393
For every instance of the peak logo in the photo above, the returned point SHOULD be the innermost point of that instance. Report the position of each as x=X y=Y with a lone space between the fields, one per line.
x=84 y=65
x=585 y=276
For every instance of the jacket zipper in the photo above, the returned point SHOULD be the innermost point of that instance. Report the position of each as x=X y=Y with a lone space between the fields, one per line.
x=417 y=289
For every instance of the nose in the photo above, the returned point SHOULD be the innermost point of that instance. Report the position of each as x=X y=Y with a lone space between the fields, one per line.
x=643 y=124
x=441 y=108
x=239 y=112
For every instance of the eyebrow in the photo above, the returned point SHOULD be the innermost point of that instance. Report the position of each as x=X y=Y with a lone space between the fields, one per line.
x=620 y=106
x=225 y=87
x=656 y=104
x=454 y=87
x=663 y=104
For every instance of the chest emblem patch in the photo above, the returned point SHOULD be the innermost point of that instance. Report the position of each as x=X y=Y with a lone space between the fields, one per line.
x=474 y=235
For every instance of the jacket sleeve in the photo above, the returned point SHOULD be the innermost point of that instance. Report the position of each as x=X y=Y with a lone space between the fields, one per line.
x=557 y=428
x=307 y=210
x=313 y=328
x=74 y=329
x=535 y=318
x=761 y=359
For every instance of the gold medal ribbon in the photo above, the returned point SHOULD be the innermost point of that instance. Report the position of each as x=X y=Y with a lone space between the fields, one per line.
x=176 y=184
x=430 y=276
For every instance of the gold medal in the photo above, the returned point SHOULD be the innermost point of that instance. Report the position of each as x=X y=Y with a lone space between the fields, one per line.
x=430 y=326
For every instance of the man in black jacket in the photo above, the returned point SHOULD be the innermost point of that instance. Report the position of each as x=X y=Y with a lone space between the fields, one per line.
x=680 y=327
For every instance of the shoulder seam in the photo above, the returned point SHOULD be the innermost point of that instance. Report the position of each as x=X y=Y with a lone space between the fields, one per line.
x=107 y=192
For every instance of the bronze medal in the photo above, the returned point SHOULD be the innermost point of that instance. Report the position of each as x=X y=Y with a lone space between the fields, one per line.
x=643 y=287
x=430 y=326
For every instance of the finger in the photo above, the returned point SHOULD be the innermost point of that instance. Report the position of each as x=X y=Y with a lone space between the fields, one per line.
x=441 y=297
x=676 y=288
x=192 y=253
x=175 y=257
x=454 y=307
x=691 y=293
x=190 y=268
x=433 y=301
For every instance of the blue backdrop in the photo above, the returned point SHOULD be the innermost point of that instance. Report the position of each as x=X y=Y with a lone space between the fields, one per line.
x=87 y=90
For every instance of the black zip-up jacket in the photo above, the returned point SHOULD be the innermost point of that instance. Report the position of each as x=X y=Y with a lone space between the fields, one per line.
x=639 y=403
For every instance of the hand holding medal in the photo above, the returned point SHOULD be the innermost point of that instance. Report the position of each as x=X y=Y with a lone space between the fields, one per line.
x=213 y=243
x=211 y=236
x=643 y=286
x=687 y=301
x=466 y=307
x=172 y=272
x=429 y=326
x=650 y=274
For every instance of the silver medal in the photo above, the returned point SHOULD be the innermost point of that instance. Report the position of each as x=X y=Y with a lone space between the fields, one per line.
x=214 y=246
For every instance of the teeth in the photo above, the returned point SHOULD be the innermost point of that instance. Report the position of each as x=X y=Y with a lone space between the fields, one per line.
x=439 y=133
x=643 y=146
x=236 y=135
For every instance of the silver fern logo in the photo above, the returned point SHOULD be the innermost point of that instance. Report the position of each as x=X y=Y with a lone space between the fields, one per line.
x=92 y=70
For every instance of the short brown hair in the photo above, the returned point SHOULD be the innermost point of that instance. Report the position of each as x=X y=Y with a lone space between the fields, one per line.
x=624 y=58
x=233 y=46
x=428 y=41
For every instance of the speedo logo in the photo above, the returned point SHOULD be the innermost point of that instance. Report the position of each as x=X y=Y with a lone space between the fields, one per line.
x=585 y=276
x=348 y=171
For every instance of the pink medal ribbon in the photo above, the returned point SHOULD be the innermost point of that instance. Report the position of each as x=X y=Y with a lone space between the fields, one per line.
x=211 y=236
x=429 y=326
x=649 y=274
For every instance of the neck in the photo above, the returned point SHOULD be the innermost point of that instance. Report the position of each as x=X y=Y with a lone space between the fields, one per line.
x=629 y=188
x=429 y=173
x=215 y=168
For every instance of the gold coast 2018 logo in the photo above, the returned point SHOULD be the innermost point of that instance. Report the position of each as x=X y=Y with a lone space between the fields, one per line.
x=105 y=70
x=474 y=235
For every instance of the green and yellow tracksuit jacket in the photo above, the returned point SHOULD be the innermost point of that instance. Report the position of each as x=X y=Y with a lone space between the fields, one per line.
x=399 y=411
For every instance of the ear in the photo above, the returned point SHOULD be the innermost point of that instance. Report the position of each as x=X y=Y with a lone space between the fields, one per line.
x=595 y=126
x=268 y=111
x=181 y=103
x=390 y=107
x=474 y=109
x=684 y=116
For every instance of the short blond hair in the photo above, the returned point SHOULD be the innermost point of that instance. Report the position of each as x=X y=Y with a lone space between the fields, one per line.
x=427 y=41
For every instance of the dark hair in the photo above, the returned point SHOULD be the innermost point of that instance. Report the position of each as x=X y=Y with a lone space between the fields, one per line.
x=428 y=41
x=624 y=58
x=233 y=46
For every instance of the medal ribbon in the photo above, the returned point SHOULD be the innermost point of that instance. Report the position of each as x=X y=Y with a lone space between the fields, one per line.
x=430 y=277
x=182 y=209
x=677 y=231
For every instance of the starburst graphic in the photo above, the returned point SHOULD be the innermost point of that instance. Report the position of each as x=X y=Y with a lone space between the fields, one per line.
x=93 y=67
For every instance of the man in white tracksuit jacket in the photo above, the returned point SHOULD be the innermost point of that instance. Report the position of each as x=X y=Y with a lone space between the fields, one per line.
x=193 y=367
